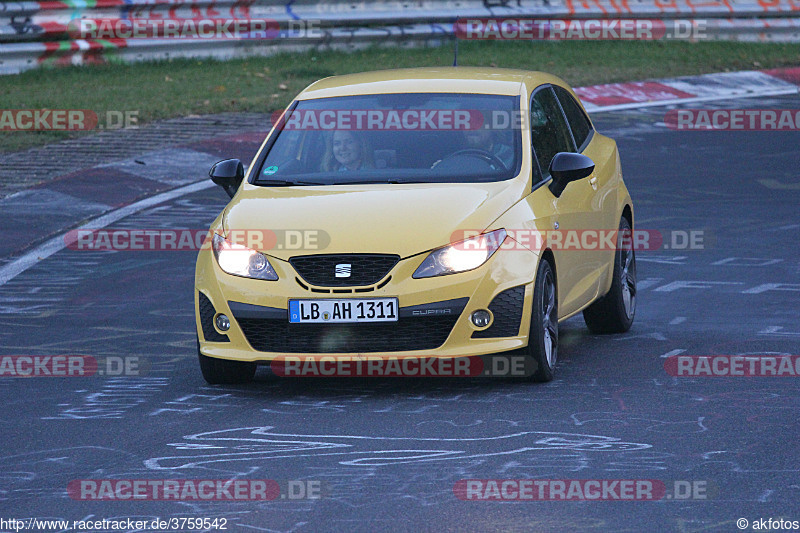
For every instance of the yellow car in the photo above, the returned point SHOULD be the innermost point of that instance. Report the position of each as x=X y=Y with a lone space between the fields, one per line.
x=433 y=212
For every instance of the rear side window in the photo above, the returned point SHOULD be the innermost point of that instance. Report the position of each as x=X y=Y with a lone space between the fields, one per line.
x=549 y=131
x=577 y=119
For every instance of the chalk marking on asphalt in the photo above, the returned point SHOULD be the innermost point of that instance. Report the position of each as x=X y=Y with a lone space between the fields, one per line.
x=676 y=101
x=787 y=227
x=16 y=267
x=647 y=283
x=776 y=330
x=777 y=185
x=677 y=320
x=671 y=353
x=665 y=260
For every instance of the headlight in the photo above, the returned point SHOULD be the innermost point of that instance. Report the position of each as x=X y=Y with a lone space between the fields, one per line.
x=461 y=256
x=240 y=260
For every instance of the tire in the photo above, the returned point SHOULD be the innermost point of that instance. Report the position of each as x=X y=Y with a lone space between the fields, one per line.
x=614 y=312
x=224 y=372
x=543 y=335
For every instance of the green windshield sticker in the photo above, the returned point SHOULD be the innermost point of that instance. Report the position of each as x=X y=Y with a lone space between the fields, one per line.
x=270 y=170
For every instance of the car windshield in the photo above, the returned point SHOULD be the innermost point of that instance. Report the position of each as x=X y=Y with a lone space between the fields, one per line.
x=396 y=138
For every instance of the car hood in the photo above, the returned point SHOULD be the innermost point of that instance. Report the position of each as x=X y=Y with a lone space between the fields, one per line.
x=402 y=219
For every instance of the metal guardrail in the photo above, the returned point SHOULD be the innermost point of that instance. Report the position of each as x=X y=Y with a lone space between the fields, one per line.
x=35 y=33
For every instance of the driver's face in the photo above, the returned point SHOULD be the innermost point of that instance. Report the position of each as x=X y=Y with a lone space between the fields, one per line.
x=346 y=149
x=480 y=138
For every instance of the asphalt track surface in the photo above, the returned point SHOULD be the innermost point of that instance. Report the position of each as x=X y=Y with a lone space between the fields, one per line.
x=388 y=452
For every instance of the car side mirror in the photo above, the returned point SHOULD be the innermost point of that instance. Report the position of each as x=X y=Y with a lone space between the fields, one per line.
x=228 y=174
x=567 y=167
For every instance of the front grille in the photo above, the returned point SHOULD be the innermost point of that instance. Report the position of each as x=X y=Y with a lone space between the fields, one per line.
x=207 y=313
x=507 y=310
x=365 y=269
x=359 y=290
x=408 y=333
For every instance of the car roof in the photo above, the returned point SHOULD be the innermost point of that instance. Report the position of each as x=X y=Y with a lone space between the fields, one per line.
x=475 y=80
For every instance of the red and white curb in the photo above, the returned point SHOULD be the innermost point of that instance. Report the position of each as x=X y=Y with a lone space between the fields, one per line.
x=705 y=88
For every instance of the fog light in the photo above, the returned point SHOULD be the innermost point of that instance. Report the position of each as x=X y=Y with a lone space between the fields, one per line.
x=223 y=323
x=481 y=318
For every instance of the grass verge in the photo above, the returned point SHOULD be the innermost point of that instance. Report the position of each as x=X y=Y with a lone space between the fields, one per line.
x=263 y=84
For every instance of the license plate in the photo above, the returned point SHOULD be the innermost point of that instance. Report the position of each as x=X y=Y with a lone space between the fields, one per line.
x=331 y=311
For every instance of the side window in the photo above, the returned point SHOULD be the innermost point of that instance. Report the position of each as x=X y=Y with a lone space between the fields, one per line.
x=287 y=150
x=549 y=131
x=575 y=116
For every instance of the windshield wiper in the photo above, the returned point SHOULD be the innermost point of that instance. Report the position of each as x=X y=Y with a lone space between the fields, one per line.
x=288 y=182
x=366 y=182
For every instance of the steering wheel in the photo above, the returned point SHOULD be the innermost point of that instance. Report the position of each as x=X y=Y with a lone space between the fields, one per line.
x=487 y=156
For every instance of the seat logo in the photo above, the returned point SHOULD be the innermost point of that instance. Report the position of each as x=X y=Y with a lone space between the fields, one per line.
x=343 y=270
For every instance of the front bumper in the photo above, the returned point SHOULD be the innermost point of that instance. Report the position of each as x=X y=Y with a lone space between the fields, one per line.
x=434 y=312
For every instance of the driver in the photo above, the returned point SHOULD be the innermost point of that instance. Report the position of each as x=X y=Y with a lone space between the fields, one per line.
x=486 y=140
x=347 y=150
